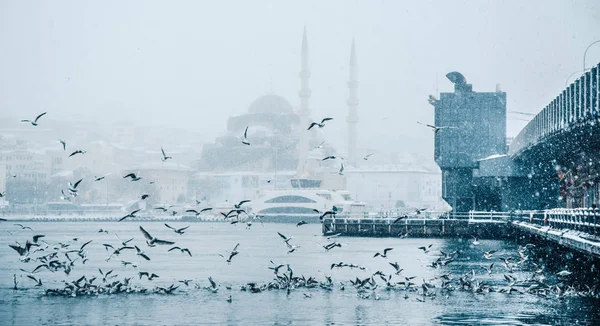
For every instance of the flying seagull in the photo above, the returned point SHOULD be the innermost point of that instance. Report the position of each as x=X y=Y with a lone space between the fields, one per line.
x=132 y=176
x=132 y=214
x=367 y=156
x=384 y=255
x=64 y=144
x=23 y=227
x=79 y=151
x=183 y=250
x=73 y=187
x=140 y=253
x=341 y=170
x=426 y=249
x=436 y=128
x=35 y=122
x=320 y=125
x=152 y=241
x=245 y=139
x=178 y=231
x=165 y=157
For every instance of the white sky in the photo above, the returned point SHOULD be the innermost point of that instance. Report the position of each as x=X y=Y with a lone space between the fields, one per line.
x=195 y=63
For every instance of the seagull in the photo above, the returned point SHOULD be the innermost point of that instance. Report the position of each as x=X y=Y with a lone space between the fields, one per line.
x=367 y=156
x=73 y=187
x=64 y=144
x=241 y=203
x=164 y=209
x=132 y=214
x=245 y=139
x=331 y=157
x=233 y=253
x=193 y=211
x=178 y=231
x=164 y=156
x=152 y=241
x=341 y=170
x=426 y=249
x=144 y=196
x=79 y=151
x=301 y=223
x=103 y=231
x=132 y=176
x=397 y=268
x=35 y=122
x=399 y=218
x=140 y=253
x=99 y=178
x=488 y=254
x=320 y=125
x=564 y=273
x=475 y=240
x=148 y=275
x=183 y=250
x=435 y=128
x=420 y=210
x=124 y=243
x=291 y=248
x=320 y=145
x=36 y=280
x=384 y=255
x=213 y=286
x=186 y=282
x=285 y=239
x=488 y=269
x=23 y=227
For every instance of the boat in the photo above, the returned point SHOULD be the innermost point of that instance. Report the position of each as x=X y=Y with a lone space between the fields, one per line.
x=301 y=204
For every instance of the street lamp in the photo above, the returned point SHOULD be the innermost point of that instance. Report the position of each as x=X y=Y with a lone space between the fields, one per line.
x=584 y=69
x=586 y=50
x=571 y=75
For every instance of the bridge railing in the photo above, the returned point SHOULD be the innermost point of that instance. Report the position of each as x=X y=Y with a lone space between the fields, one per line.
x=578 y=103
x=578 y=219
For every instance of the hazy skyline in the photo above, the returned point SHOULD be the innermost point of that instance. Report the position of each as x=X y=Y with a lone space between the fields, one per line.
x=194 y=64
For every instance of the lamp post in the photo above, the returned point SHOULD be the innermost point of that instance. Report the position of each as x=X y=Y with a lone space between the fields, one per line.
x=571 y=75
x=586 y=50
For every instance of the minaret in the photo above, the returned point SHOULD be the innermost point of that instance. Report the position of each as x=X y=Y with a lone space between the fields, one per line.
x=304 y=109
x=352 y=108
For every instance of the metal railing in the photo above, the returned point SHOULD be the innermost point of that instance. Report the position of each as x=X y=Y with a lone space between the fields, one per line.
x=577 y=219
x=578 y=104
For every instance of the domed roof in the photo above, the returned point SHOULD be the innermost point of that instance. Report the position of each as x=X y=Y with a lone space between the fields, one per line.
x=270 y=103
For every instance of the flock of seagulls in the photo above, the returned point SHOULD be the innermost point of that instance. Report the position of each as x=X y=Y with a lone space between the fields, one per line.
x=65 y=256
x=368 y=284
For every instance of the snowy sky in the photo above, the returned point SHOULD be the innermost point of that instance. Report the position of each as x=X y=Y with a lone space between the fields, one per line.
x=194 y=63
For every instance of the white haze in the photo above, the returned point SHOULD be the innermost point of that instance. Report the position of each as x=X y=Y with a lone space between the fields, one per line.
x=192 y=64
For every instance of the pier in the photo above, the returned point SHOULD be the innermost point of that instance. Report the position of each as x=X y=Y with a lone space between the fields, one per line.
x=573 y=229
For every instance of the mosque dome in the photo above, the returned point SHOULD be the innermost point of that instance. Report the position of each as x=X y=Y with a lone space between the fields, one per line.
x=271 y=103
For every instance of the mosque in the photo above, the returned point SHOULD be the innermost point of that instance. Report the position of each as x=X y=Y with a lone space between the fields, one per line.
x=284 y=154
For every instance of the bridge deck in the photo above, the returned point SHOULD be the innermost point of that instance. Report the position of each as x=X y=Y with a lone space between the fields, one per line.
x=575 y=229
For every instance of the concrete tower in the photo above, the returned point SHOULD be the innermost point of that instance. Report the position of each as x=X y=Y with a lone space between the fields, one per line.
x=304 y=108
x=352 y=108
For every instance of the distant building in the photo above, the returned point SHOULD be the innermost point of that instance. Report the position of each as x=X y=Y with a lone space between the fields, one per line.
x=474 y=128
x=273 y=132
x=390 y=187
x=26 y=176
x=169 y=181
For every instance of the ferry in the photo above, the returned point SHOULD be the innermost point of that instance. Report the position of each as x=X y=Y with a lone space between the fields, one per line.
x=299 y=204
